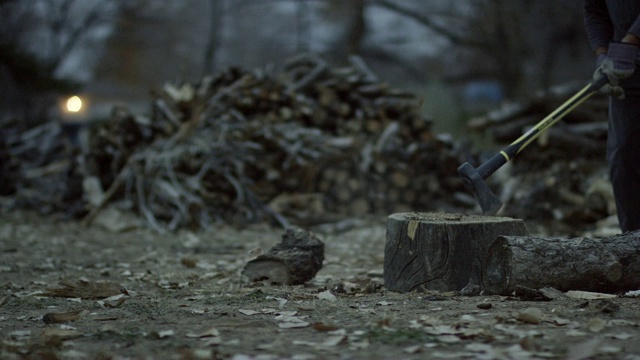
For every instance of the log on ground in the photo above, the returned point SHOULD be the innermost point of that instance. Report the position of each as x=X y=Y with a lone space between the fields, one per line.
x=608 y=265
x=295 y=260
x=440 y=251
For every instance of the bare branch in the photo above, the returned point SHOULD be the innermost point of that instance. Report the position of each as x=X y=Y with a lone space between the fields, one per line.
x=429 y=23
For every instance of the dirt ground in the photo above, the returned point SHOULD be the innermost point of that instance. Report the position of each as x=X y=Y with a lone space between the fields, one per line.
x=143 y=295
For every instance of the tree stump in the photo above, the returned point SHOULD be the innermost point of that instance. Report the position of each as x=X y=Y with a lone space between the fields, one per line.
x=295 y=260
x=439 y=251
x=608 y=265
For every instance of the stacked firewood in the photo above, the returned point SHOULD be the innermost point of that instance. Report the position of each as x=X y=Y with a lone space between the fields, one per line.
x=305 y=142
x=562 y=176
x=39 y=168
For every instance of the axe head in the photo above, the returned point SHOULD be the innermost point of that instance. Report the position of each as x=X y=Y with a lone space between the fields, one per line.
x=489 y=203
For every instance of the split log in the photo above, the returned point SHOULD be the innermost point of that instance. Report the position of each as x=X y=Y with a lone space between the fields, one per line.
x=295 y=260
x=602 y=265
x=439 y=251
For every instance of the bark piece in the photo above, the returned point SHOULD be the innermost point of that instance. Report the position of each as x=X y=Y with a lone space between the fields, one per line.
x=86 y=289
x=598 y=265
x=295 y=260
x=438 y=251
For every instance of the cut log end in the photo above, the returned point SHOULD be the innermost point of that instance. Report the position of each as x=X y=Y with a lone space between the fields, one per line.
x=497 y=268
x=440 y=251
x=267 y=270
x=295 y=260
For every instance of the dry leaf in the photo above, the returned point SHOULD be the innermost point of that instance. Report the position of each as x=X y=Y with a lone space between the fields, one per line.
x=441 y=330
x=596 y=324
x=112 y=301
x=609 y=350
x=586 y=295
x=623 y=336
x=574 y=332
x=334 y=340
x=52 y=318
x=530 y=315
x=286 y=314
x=293 y=324
x=448 y=339
x=164 y=334
x=296 y=342
x=412 y=349
x=326 y=295
x=86 y=289
x=281 y=301
x=212 y=341
x=50 y=334
x=561 y=322
x=189 y=262
x=468 y=319
x=211 y=332
x=622 y=322
x=248 y=312
x=20 y=334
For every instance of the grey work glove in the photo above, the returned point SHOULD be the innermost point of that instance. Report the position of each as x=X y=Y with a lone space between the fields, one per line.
x=618 y=64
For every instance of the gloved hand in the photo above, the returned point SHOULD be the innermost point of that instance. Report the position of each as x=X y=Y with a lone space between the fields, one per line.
x=618 y=64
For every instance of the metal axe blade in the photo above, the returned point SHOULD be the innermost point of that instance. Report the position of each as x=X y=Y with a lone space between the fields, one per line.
x=489 y=202
x=474 y=179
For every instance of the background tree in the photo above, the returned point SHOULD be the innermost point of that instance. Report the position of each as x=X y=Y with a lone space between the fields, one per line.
x=37 y=40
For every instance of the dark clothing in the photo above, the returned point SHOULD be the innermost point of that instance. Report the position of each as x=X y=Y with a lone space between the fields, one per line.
x=606 y=21
x=623 y=155
x=610 y=20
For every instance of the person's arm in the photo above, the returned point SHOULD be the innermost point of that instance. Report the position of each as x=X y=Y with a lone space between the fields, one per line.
x=631 y=39
x=598 y=25
x=633 y=34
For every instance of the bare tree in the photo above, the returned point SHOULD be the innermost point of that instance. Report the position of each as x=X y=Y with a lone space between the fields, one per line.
x=357 y=29
x=507 y=40
x=217 y=12
x=37 y=37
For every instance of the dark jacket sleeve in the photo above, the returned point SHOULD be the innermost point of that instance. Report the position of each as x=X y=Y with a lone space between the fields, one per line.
x=598 y=23
x=635 y=28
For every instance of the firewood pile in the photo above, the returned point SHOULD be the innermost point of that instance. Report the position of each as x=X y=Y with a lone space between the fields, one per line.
x=38 y=168
x=563 y=175
x=307 y=143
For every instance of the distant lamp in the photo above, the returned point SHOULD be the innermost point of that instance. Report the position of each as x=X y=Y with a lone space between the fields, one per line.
x=74 y=104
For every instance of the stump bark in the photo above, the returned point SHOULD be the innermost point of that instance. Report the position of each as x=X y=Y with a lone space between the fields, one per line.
x=608 y=265
x=437 y=251
x=295 y=260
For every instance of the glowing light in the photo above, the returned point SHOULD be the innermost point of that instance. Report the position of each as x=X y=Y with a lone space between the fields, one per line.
x=74 y=104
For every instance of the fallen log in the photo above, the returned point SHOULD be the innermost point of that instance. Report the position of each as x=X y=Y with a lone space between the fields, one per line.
x=608 y=265
x=439 y=251
x=295 y=260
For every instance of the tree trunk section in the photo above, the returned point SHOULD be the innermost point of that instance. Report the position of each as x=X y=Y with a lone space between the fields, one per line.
x=601 y=265
x=295 y=260
x=437 y=251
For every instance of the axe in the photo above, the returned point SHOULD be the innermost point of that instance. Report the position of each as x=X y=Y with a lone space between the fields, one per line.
x=474 y=178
